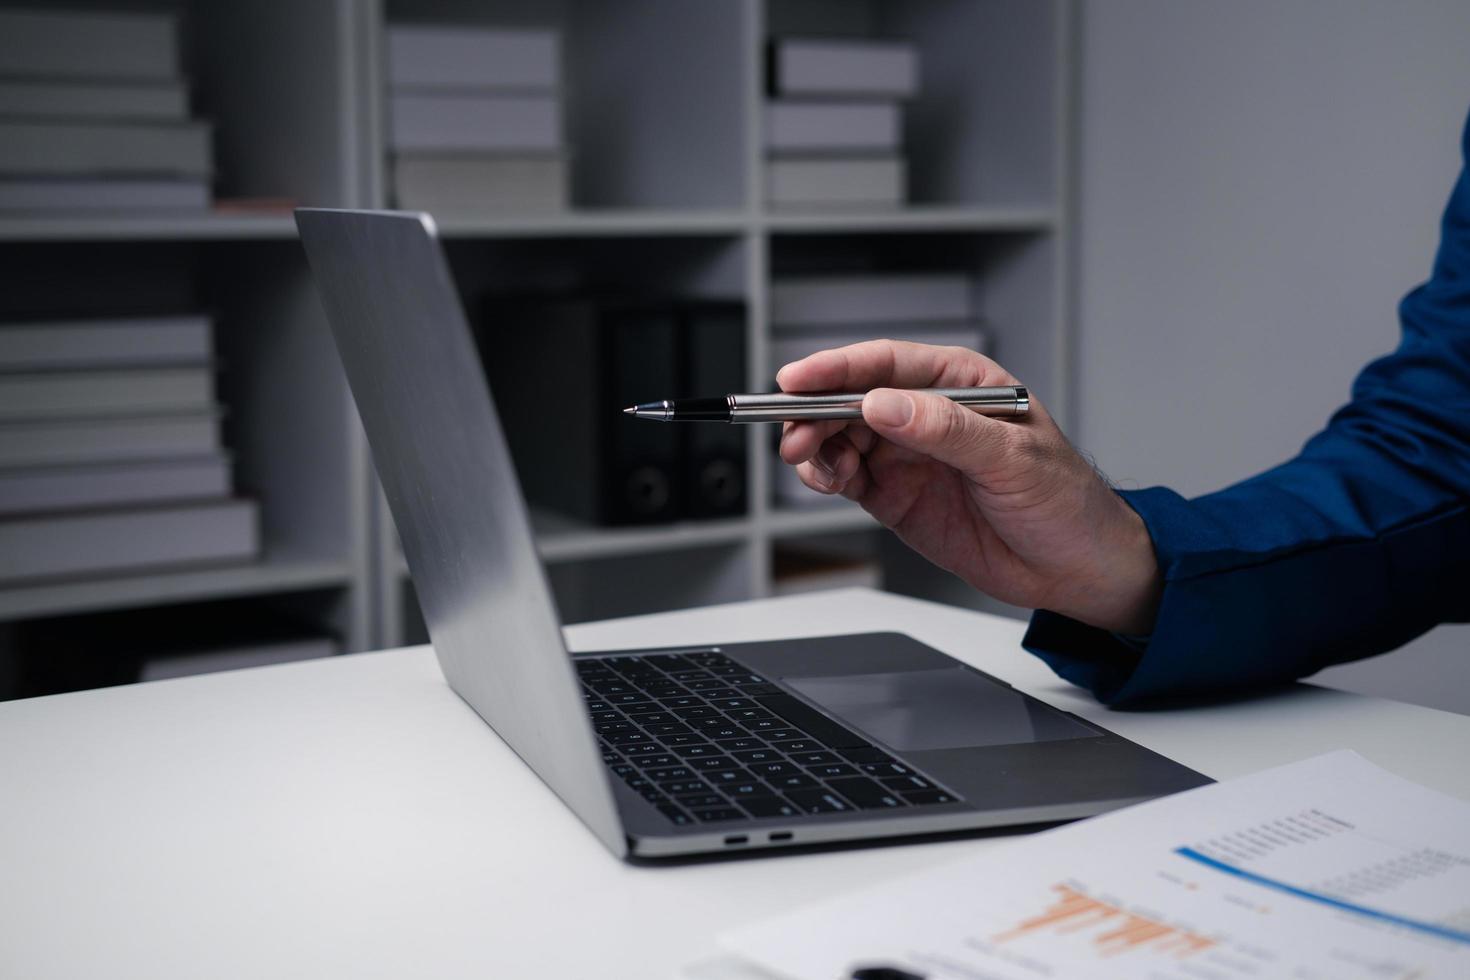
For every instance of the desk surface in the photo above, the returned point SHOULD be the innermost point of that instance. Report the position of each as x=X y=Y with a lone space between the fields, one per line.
x=352 y=817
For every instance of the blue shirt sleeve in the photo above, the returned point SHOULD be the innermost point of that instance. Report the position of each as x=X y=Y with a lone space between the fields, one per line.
x=1354 y=547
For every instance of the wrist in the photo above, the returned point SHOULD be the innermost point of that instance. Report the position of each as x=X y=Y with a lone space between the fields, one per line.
x=1141 y=581
x=1123 y=593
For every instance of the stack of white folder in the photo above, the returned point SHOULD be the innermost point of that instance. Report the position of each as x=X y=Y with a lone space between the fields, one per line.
x=834 y=126
x=95 y=116
x=475 y=120
x=110 y=457
x=818 y=312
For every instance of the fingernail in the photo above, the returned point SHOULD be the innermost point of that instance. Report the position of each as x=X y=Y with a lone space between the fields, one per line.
x=823 y=468
x=888 y=407
x=829 y=458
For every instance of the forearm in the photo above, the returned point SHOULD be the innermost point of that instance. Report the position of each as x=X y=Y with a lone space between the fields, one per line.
x=1228 y=624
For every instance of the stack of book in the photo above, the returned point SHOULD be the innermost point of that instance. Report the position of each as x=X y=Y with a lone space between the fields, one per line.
x=110 y=456
x=818 y=312
x=834 y=127
x=475 y=120
x=95 y=116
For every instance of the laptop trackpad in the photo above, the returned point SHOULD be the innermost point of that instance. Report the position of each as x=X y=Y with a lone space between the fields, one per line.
x=949 y=708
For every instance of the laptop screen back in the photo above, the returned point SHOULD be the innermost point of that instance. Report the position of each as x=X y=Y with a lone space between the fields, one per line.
x=442 y=458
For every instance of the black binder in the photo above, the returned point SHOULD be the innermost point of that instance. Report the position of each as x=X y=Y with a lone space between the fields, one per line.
x=714 y=463
x=561 y=370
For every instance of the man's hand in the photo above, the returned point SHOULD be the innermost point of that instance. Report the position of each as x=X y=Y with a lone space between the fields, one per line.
x=1009 y=506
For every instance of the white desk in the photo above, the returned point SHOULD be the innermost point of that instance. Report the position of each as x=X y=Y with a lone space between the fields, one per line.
x=353 y=818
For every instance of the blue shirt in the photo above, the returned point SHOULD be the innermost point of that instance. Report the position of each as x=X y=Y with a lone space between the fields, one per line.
x=1356 y=546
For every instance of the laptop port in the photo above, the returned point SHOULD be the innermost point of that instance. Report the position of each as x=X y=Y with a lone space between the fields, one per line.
x=779 y=835
x=736 y=839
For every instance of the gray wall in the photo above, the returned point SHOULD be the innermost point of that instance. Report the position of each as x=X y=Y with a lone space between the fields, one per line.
x=1259 y=182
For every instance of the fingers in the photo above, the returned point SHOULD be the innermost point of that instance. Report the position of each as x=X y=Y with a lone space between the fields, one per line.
x=832 y=467
x=938 y=428
x=891 y=364
x=801 y=440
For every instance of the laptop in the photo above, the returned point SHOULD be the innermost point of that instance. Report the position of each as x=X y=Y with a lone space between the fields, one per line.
x=681 y=751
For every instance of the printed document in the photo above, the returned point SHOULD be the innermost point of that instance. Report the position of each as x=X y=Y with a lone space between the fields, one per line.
x=1327 y=869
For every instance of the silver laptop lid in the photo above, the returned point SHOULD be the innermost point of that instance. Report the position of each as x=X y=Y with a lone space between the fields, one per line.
x=442 y=458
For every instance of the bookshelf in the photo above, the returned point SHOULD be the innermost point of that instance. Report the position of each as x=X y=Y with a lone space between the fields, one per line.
x=664 y=104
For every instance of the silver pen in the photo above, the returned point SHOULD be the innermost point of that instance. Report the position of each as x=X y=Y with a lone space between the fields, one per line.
x=1008 y=401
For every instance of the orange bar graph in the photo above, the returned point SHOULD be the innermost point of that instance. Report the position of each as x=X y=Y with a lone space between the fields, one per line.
x=1124 y=931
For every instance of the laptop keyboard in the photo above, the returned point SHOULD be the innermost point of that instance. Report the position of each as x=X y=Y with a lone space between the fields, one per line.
x=706 y=740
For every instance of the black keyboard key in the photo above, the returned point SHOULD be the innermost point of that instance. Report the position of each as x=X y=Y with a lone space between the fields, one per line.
x=733 y=703
x=643 y=676
x=655 y=761
x=768 y=769
x=600 y=717
x=712 y=689
x=623 y=700
x=794 y=781
x=614 y=727
x=746 y=716
x=866 y=793
x=697 y=712
x=747 y=789
x=634 y=752
x=610 y=685
x=702 y=801
x=818 y=801
x=930 y=796
x=886 y=769
x=835 y=770
x=814 y=758
x=624 y=769
x=758 y=755
x=718 y=815
x=864 y=753
x=722 y=776
x=718 y=728
x=668 y=774
x=622 y=739
x=679 y=741
x=698 y=751
x=784 y=735
x=811 y=721
x=594 y=682
x=682 y=702
x=665 y=689
x=669 y=728
x=769 y=723
x=753 y=685
x=684 y=787
x=907 y=784
x=741 y=744
x=711 y=659
x=675 y=815
x=803 y=745
x=652 y=794
x=595 y=703
x=667 y=661
x=768 y=806
x=689 y=676
x=649 y=714
x=711 y=762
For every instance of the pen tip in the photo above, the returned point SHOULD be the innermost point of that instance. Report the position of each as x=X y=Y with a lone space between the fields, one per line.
x=631 y=410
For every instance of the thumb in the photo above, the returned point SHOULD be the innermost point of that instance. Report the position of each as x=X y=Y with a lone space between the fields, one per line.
x=935 y=426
